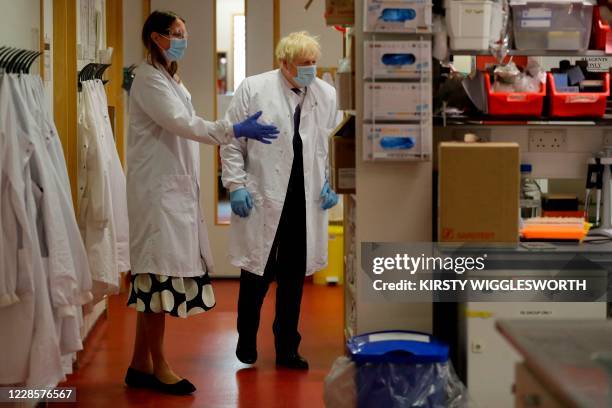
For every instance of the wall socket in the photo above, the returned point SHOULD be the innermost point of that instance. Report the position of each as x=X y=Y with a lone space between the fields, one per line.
x=548 y=140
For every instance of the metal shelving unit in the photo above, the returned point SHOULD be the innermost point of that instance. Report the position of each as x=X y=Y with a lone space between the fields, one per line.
x=492 y=121
x=536 y=53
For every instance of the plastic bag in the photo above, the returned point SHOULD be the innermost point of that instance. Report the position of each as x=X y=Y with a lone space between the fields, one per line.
x=439 y=49
x=507 y=73
x=500 y=32
x=394 y=385
x=508 y=78
x=340 y=390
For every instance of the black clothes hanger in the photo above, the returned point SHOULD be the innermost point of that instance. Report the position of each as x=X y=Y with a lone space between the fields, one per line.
x=11 y=67
x=20 y=63
x=7 y=58
x=17 y=60
x=29 y=62
x=92 y=71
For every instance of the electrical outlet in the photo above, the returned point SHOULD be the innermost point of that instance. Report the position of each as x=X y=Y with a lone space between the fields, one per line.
x=547 y=140
x=477 y=347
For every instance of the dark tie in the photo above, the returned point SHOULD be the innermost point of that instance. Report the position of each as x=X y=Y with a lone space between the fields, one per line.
x=297 y=169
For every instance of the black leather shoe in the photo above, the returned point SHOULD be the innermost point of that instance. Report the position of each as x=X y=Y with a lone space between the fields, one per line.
x=246 y=354
x=182 y=387
x=138 y=379
x=292 y=361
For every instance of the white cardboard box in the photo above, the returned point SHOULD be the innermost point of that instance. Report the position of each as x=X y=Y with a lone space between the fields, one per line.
x=375 y=134
x=405 y=16
x=397 y=100
x=397 y=59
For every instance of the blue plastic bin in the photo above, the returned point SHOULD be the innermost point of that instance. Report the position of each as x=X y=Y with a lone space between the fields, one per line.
x=400 y=369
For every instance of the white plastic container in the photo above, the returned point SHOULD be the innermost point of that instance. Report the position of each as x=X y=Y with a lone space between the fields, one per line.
x=384 y=142
x=555 y=25
x=405 y=16
x=397 y=59
x=397 y=101
x=473 y=24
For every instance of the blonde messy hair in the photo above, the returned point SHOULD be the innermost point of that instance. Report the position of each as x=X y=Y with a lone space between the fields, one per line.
x=298 y=44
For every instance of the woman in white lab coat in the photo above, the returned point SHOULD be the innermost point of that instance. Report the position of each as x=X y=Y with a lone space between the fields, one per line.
x=169 y=250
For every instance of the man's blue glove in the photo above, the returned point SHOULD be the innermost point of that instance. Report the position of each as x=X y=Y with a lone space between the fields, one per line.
x=241 y=202
x=329 y=198
x=251 y=129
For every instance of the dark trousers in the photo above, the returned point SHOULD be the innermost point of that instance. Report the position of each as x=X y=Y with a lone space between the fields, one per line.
x=287 y=265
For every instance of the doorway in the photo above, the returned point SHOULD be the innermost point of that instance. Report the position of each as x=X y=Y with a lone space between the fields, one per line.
x=230 y=71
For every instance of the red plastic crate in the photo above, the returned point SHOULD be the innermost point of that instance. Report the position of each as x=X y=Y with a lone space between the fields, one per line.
x=514 y=103
x=574 y=105
x=601 y=30
x=483 y=62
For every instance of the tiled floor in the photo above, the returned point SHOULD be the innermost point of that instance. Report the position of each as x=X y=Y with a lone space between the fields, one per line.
x=201 y=348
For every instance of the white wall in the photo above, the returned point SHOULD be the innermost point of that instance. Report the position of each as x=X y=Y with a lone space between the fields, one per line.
x=20 y=27
x=260 y=36
x=197 y=71
x=226 y=9
x=20 y=23
x=133 y=50
x=293 y=17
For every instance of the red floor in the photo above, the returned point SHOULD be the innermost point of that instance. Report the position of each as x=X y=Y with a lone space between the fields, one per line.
x=201 y=348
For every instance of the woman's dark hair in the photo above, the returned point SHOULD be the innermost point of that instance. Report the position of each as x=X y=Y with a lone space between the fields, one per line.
x=159 y=22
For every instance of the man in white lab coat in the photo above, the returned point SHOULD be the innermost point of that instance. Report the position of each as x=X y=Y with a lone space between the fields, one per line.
x=279 y=194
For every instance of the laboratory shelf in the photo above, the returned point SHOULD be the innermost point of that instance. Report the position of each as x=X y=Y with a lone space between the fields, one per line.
x=536 y=53
x=456 y=121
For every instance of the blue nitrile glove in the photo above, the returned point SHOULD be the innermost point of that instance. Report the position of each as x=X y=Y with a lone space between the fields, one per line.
x=251 y=129
x=329 y=198
x=241 y=202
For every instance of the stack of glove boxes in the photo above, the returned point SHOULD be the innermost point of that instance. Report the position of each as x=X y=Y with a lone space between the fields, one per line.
x=397 y=87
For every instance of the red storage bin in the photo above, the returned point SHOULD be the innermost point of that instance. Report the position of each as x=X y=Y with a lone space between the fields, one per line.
x=514 y=103
x=483 y=62
x=582 y=104
x=601 y=30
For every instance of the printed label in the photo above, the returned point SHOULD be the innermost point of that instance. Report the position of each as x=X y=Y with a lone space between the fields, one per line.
x=582 y=98
x=537 y=13
x=516 y=98
x=423 y=338
x=538 y=23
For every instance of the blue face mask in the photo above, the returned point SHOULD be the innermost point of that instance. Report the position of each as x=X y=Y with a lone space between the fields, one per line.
x=176 y=50
x=306 y=74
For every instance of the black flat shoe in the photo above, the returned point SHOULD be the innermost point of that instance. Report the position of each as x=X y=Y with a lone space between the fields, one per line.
x=293 y=362
x=246 y=354
x=138 y=379
x=182 y=387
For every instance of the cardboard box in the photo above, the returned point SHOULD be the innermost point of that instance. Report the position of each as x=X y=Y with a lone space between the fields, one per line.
x=343 y=165
x=340 y=12
x=404 y=16
x=397 y=100
x=478 y=192
x=397 y=59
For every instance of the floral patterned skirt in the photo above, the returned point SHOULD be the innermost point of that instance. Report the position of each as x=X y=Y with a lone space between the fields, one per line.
x=179 y=297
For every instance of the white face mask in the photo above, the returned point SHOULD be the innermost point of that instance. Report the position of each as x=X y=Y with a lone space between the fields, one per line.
x=177 y=48
x=306 y=74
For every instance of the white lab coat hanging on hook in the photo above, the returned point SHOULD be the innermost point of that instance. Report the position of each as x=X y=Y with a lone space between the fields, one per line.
x=95 y=204
x=117 y=180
